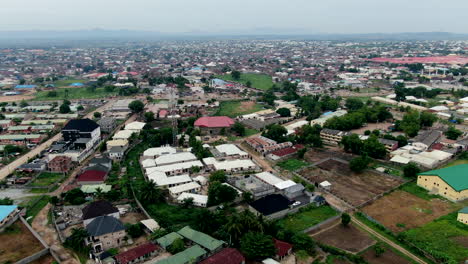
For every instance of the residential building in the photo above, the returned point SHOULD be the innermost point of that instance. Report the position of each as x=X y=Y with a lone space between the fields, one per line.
x=123 y=143
x=156 y=152
x=91 y=177
x=197 y=199
x=462 y=216
x=107 y=124
x=105 y=232
x=390 y=145
x=213 y=125
x=190 y=255
x=82 y=133
x=332 y=136
x=191 y=187
x=225 y=256
x=98 y=208
x=138 y=254
x=283 y=249
x=230 y=151
x=450 y=182
x=230 y=166
x=201 y=239
x=60 y=164
x=135 y=126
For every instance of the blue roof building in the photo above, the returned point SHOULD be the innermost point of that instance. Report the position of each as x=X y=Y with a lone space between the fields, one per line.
x=5 y=211
x=25 y=86
x=77 y=84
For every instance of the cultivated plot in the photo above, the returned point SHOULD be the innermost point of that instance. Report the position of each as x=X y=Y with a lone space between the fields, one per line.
x=348 y=238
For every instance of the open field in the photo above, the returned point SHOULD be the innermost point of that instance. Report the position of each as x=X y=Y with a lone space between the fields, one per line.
x=46 y=179
x=456 y=162
x=371 y=127
x=307 y=217
x=259 y=81
x=400 y=210
x=34 y=205
x=237 y=108
x=64 y=83
x=444 y=236
x=351 y=187
x=47 y=259
x=292 y=164
x=316 y=155
x=349 y=238
x=74 y=93
x=388 y=257
x=17 y=243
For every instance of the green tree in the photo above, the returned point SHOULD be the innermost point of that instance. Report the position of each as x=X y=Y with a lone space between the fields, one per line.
x=427 y=119
x=177 y=246
x=379 y=249
x=150 y=194
x=149 y=117
x=238 y=128
x=219 y=176
x=76 y=240
x=345 y=219
x=97 y=115
x=236 y=75
x=359 y=164
x=374 y=148
x=284 y=112
x=302 y=241
x=64 y=109
x=353 y=103
x=136 y=106
x=410 y=124
x=23 y=104
x=248 y=84
x=402 y=141
x=276 y=132
x=352 y=143
x=247 y=197
x=74 y=197
x=257 y=246
x=453 y=133
x=219 y=193
x=134 y=230
x=411 y=170
x=6 y=201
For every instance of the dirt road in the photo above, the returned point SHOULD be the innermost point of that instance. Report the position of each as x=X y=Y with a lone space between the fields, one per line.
x=384 y=239
x=48 y=233
x=5 y=171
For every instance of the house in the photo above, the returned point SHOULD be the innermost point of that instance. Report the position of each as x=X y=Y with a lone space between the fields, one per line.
x=230 y=151
x=265 y=145
x=231 y=166
x=150 y=225
x=197 y=199
x=190 y=255
x=116 y=153
x=201 y=239
x=21 y=139
x=107 y=124
x=176 y=169
x=93 y=188
x=332 y=136
x=156 y=152
x=168 y=239
x=425 y=139
x=450 y=182
x=82 y=133
x=191 y=187
x=285 y=152
x=225 y=256
x=8 y=214
x=91 y=177
x=123 y=143
x=105 y=232
x=60 y=164
x=390 y=145
x=135 y=126
x=138 y=254
x=180 y=157
x=270 y=205
x=463 y=216
x=213 y=125
x=123 y=134
x=103 y=161
x=283 y=249
x=162 y=180
x=97 y=209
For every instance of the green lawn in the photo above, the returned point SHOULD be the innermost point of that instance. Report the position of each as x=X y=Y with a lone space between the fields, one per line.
x=292 y=164
x=457 y=162
x=439 y=238
x=64 y=83
x=248 y=132
x=34 y=205
x=413 y=188
x=74 y=93
x=259 y=81
x=307 y=217
x=237 y=108
x=45 y=179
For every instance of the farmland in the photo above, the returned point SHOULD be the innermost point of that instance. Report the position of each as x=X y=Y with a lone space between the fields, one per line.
x=237 y=108
x=46 y=179
x=307 y=217
x=349 y=186
x=259 y=81
x=17 y=242
x=388 y=257
x=292 y=164
x=73 y=93
x=400 y=210
x=444 y=237
x=349 y=238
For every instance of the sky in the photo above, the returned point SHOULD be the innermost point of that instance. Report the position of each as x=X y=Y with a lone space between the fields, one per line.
x=238 y=16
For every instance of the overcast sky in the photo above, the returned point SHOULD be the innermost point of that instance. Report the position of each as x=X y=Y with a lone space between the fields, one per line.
x=311 y=16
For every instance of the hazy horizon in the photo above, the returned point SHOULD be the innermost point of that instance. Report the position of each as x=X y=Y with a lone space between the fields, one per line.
x=216 y=16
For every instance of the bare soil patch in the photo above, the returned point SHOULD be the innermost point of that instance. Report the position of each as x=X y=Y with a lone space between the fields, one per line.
x=315 y=155
x=462 y=240
x=388 y=257
x=400 y=210
x=351 y=187
x=347 y=238
x=47 y=259
x=18 y=244
x=132 y=217
x=247 y=105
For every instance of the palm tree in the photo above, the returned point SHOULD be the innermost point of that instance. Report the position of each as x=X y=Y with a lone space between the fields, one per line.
x=150 y=193
x=234 y=227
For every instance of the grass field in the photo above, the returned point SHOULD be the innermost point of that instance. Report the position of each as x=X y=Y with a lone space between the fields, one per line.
x=46 y=179
x=74 y=93
x=307 y=217
x=443 y=237
x=237 y=108
x=34 y=205
x=292 y=164
x=413 y=188
x=64 y=83
x=456 y=162
x=259 y=81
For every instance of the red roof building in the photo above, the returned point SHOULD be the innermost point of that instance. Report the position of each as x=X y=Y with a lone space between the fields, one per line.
x=91 y=177
x=214 y=121
x=138 y=253
x=225 y=256
x=282 y=248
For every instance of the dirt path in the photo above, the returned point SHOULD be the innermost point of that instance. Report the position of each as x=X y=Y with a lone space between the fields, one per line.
x=389 y=242
x=5 y=171
x=48 y=233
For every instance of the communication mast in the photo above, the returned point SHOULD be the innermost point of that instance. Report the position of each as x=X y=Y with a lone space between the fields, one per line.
x=172 y=112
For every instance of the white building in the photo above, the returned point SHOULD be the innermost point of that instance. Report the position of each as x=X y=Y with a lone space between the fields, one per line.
x=198 y=199
x=136 y=126
x=156 y=152
x=191 y=187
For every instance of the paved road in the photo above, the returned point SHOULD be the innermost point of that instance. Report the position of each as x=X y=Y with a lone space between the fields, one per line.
x=7 y=170
x=384 y=239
